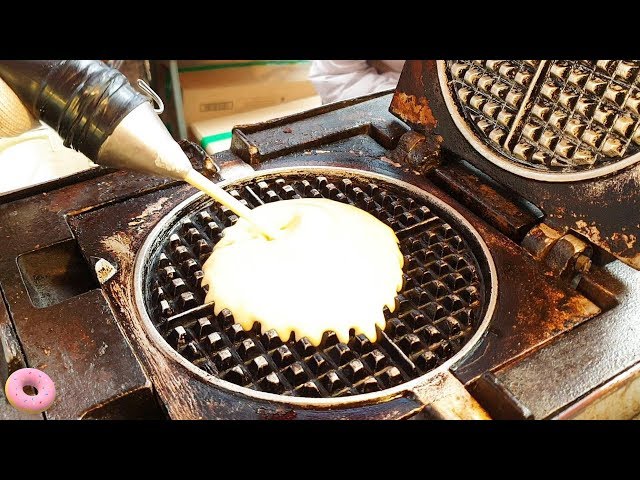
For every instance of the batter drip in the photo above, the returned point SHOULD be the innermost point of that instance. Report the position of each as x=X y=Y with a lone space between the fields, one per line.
x=331 y=266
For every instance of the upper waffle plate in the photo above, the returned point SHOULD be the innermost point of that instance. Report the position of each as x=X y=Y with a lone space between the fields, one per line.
x=553 y=120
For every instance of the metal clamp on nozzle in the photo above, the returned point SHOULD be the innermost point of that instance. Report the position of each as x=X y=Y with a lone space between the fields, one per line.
x=144 y=86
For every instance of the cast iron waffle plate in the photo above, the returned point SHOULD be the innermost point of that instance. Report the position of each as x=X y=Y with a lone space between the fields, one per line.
x=441 y=306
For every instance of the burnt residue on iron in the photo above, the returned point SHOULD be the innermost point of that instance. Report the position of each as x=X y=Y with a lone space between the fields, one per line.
x=438 y=310
x=39 y=220
x=604 y=209
x=410 y=102
x=515 y=329
x=600 y=287
x=79 y=345
x=420 y=153
x=532 y=308
x=590 y=120
x=392 y=409
x=614 y=198
x=200 y=159
x=112 y=214
x=509 y=213
x=310 y=130
x=413 y=109
x=411 y=105
x=583 y=359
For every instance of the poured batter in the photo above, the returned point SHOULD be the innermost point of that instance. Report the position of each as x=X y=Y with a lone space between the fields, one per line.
x=331 y=266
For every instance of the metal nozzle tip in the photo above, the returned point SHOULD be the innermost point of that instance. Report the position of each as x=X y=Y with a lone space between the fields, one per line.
x=141 y=142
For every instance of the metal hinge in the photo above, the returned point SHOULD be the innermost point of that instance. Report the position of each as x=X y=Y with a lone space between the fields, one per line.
x=421 y=153
x=565 y=254
x=570 y=258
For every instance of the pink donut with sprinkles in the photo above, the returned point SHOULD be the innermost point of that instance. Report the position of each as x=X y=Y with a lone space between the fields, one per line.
x=30 y=377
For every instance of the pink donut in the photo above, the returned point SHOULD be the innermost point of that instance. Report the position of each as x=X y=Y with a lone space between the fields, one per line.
x=30 y=377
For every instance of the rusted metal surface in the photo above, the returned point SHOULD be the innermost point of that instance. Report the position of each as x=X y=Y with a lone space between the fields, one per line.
x=39 y=220
x=112 y=214
x=424 y=331
x=200 y=159
x=411 y=87
x=516 y=328
x=501 y=209
x=604 y=209
x=393 y=409
x=327 y=124
x=72 y=347
x=532 y=308
x=414 y=109
x=11 y=359
x=78 y=337
x=583 y=359
x=599 y=288
x=548 y=118
x=566 y=255
x=91 y=173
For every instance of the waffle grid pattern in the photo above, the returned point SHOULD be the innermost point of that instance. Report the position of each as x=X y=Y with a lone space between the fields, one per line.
x=574 y=116
x=438 y=309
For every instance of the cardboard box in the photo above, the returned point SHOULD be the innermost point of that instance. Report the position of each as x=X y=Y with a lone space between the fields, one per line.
x=213 y=89
x=215 y=134
x=229 y=90
x=187 y=65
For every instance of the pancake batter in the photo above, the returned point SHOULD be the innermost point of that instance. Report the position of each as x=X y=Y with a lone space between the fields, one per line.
x=331 y=266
